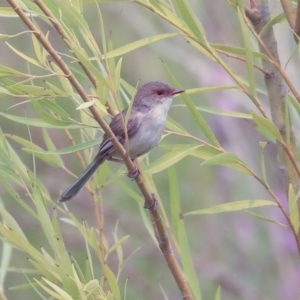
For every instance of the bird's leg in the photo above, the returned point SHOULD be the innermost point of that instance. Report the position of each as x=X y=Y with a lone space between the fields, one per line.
x=131 y=174
x=118 y=160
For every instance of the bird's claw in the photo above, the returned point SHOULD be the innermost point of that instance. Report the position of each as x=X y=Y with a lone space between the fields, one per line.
x=151 y=206
x=134 y=174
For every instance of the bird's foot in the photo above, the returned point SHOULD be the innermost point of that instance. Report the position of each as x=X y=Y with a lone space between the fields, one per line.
x=134 y=174
x=151 y=206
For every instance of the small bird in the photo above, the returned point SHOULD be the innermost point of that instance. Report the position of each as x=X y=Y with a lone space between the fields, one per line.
x=145 y=127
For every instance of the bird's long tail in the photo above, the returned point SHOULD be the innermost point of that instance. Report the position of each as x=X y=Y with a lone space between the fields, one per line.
x=80 y=182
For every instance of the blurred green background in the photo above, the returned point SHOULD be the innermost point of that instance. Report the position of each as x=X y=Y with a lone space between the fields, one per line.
x=249 y=258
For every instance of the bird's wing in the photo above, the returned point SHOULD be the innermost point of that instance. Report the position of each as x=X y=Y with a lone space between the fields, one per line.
x=117 y=127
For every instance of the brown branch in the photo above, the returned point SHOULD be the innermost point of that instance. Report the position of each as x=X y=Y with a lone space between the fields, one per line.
x=164 y=242
x=289 y=12
x=277 y=97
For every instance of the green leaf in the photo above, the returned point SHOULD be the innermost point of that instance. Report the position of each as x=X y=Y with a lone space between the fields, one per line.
x=10 y=222
x=208 y=89
x=138 y=44
x=264 y=218
x=247 y=42
x=197 y=116
x=265 y=126
x=85 y=105
x=38 y=122
x=232 y=206
x=170 y=159
x=27 y=58
x=229 y=160
x=64 y=81
x=274 y=20
x=174 y=200
x=112 y=281
x=293 y=208
x=237 y=50
x=188 y=266
x=191 y=20
x=7 y=72
x=49 y=118
x=71 y=149
x=221 y=112
x=174 y=126
x=37 y=49
x=39 y=152
x=218 y=293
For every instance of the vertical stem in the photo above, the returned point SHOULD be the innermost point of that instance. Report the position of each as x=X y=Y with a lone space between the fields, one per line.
x=277 y=93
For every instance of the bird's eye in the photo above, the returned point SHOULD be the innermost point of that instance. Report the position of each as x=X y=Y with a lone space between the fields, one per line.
x=160 y=92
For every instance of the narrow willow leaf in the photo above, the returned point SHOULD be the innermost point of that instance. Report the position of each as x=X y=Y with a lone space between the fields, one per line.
x=91 y=285
x=32 y=90
x=215 y=111
x=85 y=60
x=138 y=44
x=49 y=118
x=195 y=113
x=232 y=206
x=71 y=149
x=37 y=49
x=174 y=126
x=229 y=160
x=237 y=50
x=60 y=293
x=6 y=256
x=7 y=72
x=266 y=126
x=169 y=159
x=54 y=108
x=39 y=152
x=7 y=12
x=218 y=293
x=38 y=122
x=45 y=219
x=191 y=20
x=174 y=200
x=5 y=91
x=78 y=282
x=57 y=90
x=117 y=74
x=208 y=89
x=293 y=208
x=188 y=266
x=274 y=20
x=51 y=147
x=71 y=14
x=64 y=81
x=262 y=160
x=85 y=105
x=10 y=222
x=295 y=104
x=264 y=218
x=118 y=244
x=25 y=57
x=112 y=281
x=248 y=50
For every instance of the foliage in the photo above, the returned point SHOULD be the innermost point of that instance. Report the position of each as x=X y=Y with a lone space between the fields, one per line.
x=46 y=117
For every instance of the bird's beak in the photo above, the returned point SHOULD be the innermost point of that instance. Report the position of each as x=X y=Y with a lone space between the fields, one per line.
x=177 y=91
